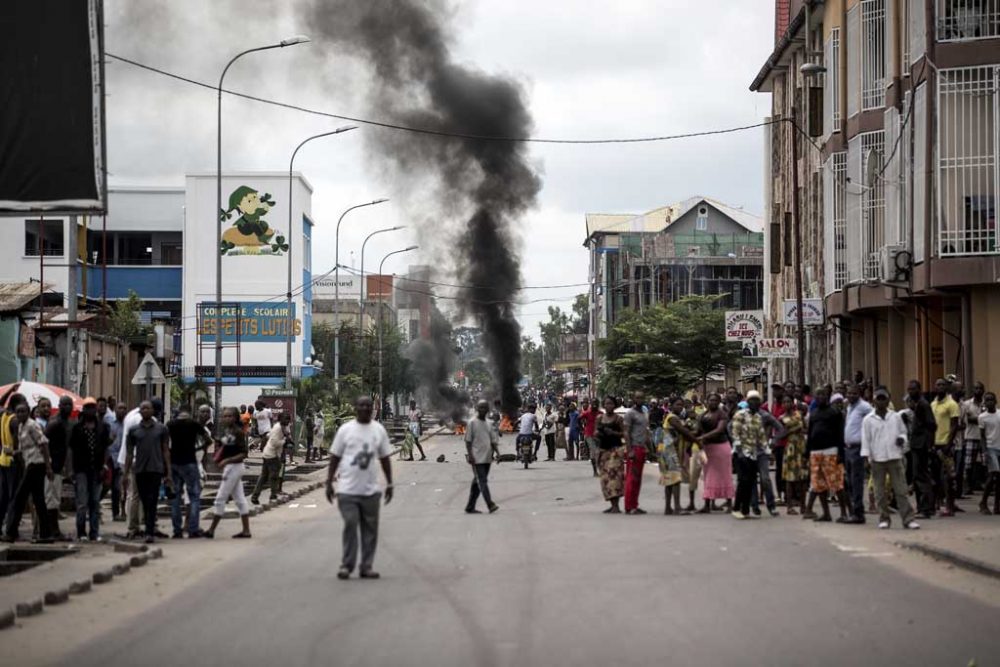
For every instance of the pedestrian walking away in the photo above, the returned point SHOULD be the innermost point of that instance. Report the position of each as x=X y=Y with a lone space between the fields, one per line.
x=589 y=450
x=231 y=452
x=921 y=426
x=946 y=416
x=57 y=432
x=825 y=444
x=357 y=444
x=481 y=443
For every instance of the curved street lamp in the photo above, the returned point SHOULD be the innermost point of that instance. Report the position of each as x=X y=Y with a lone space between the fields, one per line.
x=336 y=291
x=361 y=299
x=290 y=41
x=290 y=319
x=381 y=394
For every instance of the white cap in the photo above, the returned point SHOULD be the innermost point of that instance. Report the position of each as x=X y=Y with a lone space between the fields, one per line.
x=753 y=393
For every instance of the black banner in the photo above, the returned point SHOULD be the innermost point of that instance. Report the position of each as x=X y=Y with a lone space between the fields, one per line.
x=51 y=97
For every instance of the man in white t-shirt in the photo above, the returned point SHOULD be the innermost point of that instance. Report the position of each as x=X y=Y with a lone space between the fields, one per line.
x=357 y=444
x=263 y=421
x=989 y=423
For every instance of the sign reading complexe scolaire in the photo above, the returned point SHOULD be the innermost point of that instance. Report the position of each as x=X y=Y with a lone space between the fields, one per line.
x=256 y=321
x=742 y=324
x=812 y=312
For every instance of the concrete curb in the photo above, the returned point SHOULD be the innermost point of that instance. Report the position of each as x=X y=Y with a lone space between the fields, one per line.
x=958 y=560
x=139 y=555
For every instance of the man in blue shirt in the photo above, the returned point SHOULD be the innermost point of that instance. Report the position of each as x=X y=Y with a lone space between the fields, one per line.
x=854 y=464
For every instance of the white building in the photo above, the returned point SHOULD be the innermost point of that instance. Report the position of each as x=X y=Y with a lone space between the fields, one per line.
x=257 y=244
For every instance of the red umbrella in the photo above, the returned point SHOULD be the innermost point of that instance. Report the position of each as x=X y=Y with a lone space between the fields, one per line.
x=36 y=390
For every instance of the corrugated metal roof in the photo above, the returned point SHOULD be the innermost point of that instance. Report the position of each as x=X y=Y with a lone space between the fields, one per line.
x=659 y=218
x=15 y=296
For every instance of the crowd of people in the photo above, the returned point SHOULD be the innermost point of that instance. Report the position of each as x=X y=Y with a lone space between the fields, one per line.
x=138 y=457
x=849 y=446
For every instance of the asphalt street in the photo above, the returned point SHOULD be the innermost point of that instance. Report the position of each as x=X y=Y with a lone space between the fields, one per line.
x=550 y=580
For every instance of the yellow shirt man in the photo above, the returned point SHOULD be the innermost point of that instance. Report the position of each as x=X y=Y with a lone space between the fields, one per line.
x=944 y=411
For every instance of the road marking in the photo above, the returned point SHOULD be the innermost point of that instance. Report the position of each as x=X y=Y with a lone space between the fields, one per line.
x=849 y=549
x=309 y=507
x=293 y=505
x=874 y=554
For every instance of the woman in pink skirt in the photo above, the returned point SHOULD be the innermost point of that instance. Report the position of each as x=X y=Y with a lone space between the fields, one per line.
x=717 y=476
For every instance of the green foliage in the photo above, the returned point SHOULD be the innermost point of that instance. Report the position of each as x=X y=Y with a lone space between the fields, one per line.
x=124 y=321
x=477 y=371
x=667 y=347
x=581 y=314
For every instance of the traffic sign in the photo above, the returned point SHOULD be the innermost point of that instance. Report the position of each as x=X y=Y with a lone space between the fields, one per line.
x=148 y=372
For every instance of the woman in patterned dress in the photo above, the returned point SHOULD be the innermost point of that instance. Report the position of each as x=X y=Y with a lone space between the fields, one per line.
x=611 y=460
x=795 y=471
x=676 y=439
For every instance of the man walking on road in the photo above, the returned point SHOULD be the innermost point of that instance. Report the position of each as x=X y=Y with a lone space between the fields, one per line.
x=857 y=409
x=588 y=421
x=186 y=438
x=753 y=431
x=147 y=454
x=270 y=467
x=357 y=443
x=989 y=423
x=637 y=442
x=481 y=442
x=57 y=432
x=883 y=442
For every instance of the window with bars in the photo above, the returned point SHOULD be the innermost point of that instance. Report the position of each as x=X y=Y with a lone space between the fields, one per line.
x=894 y=175
x=873 y=54
x=835 y=220
x=852 y=44
x=963 y=20
x=967 y=175
x=872 y=202
x=831 y=95
x=852 y=208
x=916 y=31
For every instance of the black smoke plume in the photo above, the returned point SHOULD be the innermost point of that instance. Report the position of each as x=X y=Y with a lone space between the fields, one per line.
x=476 y=188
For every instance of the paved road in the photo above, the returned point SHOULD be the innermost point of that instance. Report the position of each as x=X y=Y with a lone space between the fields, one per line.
x=549 y=580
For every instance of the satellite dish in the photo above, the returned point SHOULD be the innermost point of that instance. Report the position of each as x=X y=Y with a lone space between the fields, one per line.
x=872 y=164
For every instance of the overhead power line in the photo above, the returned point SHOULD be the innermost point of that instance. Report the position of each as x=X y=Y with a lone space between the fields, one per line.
x=444 y=133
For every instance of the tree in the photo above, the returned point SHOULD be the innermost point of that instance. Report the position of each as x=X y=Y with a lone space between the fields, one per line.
x=667 y=348
x=124 y=322
x=531 y=361
x=580 y=322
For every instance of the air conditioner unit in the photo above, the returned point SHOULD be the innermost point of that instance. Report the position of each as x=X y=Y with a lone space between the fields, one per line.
x=896 y=262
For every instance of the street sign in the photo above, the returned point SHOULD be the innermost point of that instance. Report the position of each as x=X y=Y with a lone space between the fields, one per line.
x=812 y=312
x=752 y=368
x=148 y=372
x=778 y=348
x=742 y=324
x=273 y=392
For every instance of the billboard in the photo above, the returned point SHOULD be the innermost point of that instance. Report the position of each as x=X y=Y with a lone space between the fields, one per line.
x=255 y=322
x=812 y=312
x=778 y=348
x=52 y=125
x=326 y=287
x=378 y=287
x=743 y=324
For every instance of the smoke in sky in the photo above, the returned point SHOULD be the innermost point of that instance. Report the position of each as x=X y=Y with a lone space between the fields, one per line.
x=470 y=191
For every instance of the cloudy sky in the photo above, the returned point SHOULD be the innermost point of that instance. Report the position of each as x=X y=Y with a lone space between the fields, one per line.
x=591 y=69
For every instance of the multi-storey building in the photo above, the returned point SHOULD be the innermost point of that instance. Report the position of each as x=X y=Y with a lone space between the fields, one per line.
x=698 y=246
x=892 y=106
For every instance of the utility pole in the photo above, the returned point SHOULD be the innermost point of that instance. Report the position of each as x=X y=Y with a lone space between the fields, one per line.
x=797 y=258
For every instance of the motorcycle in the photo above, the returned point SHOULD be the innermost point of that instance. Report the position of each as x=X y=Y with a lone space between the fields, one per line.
x=525 y=449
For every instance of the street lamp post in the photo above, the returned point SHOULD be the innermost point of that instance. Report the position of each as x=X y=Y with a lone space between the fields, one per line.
x=361 y=299
x=381 y=389
x=291 y=41
x=336 y=292
x=290 y=319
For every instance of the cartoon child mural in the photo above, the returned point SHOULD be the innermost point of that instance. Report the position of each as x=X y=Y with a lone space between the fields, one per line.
x=250 y=234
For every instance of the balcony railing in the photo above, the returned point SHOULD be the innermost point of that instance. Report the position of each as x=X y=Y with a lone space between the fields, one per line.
x=962 y=20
